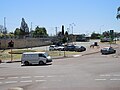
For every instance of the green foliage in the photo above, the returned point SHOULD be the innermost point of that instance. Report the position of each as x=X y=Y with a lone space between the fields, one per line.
x=40 y=31
x=17 y=32
x=118 y=14
x=95 y=35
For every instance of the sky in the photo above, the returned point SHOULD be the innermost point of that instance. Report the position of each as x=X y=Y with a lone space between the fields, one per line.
x=87 y=15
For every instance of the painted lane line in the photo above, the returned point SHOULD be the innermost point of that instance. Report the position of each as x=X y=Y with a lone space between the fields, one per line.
x=100 y=79
x=0 y=82
x=115 y=79
x=40 y=80
x=105 y=75
x=39 y=76
x=29 y=81
x=56 y=80
x=12 y=77
x=116 y=75
x=2 y=78
x=26 y=77
x=8 y=82
x=50 y=76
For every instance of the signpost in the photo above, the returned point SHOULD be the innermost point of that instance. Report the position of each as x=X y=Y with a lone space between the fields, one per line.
x=11 y=45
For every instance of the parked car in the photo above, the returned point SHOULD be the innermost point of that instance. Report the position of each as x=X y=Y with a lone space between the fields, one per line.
x=108 y=50
x=35 y=58
x=70 y=48
x=52 y=47
x=80 y=48
x=60 y=48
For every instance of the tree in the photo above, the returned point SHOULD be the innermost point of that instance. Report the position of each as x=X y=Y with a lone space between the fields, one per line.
x=17 y=32
x=1 y=29
x=24 y=28
x=118 y=13
x=62 y=29
x=106 y=34
x=95 y=35
x=40 y=31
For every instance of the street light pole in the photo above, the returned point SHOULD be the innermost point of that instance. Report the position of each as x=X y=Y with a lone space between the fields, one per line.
x=100 y=30
x=72 y=27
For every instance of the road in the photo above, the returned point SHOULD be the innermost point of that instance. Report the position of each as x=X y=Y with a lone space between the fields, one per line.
x=90 y=72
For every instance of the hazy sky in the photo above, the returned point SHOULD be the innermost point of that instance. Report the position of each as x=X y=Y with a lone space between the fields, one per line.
x=87 y=15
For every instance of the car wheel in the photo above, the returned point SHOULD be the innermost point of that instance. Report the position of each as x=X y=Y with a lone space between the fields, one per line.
x=41 y=63
x=26 y=63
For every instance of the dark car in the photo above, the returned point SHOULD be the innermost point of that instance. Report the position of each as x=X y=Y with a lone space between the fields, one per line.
x=80 y=48
x=108 y=50
x=69 y=48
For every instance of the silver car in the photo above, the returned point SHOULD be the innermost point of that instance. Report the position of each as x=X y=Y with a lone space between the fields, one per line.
x=108 y=50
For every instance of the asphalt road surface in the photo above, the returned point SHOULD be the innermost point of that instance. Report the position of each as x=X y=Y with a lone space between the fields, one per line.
x=90 y=72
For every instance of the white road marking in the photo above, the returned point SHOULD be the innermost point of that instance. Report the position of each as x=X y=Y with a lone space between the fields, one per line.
x=50 y=76
x=39 y=76
x=100 y=79
x=8 y=82
x=0 y=82
x=12 y=77
x=56 y=80
x=116 y=75
x=29 y=81
x=40 y=80
x=115 y=79
x=2 y=78
x=26 y=77
x=105 y=75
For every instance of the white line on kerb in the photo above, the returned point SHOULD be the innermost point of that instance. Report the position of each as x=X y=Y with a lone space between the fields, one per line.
x=26 y=81
x=76 y=55
x=26 y=77
x=100 y=79
x=8 y=82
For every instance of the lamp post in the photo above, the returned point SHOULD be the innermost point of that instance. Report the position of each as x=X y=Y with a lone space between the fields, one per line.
x=100 y=30
x=72 y=27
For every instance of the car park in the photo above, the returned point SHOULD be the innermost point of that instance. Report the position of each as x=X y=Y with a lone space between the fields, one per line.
x=108 y=50
x=35 y=58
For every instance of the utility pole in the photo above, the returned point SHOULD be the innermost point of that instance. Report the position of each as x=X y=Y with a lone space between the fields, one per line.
x=5 y=29
x=56 y=29
x=31 y=27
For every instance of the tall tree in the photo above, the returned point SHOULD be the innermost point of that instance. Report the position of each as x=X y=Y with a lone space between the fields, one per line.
x=62 y=29
x=118 y=13
x=24 y=27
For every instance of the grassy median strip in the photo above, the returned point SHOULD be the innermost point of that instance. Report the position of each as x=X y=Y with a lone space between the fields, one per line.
x=6 y=55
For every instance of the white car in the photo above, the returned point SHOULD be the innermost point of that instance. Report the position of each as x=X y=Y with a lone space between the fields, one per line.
x=52 y=47
x=35 y=58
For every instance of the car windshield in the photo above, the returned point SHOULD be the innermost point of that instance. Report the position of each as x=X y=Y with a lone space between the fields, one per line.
x=46 y=54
